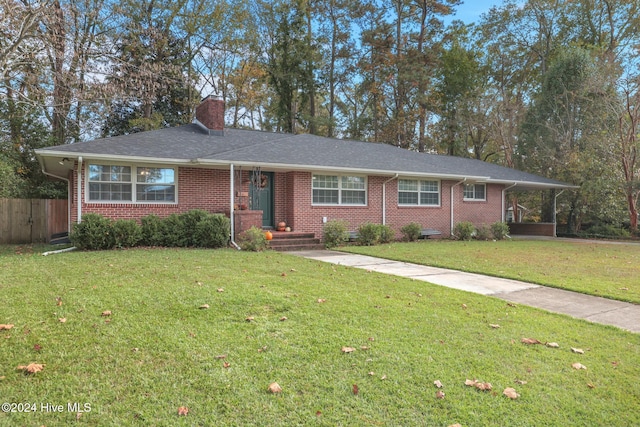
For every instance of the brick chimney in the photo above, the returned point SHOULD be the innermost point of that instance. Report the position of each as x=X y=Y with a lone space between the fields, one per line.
x=210 y=114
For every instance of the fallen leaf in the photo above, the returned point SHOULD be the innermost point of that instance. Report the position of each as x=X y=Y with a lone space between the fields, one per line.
x=577 y=350
x=284 y=275
x=204 y=306
x=62 y=319
x=484 y=386
x=221 y=356
x=293 y=270
x=479 y=385
x=274 y=388
x=31 y=368
x=384 y=377
x=578 y=366
x=511 y=393
x=455 y=425
x=440 y=394
x=183 y=410
x=371 y=373
x=220 y=290
x=107 y=320
x=624 y=289
x=321 y=300
x=530 y=341
x=283 y=318
x=552 y=344
x=520 y=382
x=371 y=339
x=590 y=385
x=226 y=364
x=364 y=348
x=5 y=327
x=106 y=313
x=58 y=301
x=494 y=326
x=37 y=347
x=78 y=415
x=318 y=413
x=249 y=319
x=348 y=349
x=437 y=383
x=355 y=389
x=464 y=306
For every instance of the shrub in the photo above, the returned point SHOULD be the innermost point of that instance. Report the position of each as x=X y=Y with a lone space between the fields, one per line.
x=334 y=233
x=94 y=232
x=464 y=231
x=484 y=233
x=152 y=231
x=411 y=232
x=190 y=221
x=606 y=230
x=368 y=234
x=253 y=239
x=172 y=231
x=500 y=230
x=127 y=233
x=387 y=233
x=212 y=231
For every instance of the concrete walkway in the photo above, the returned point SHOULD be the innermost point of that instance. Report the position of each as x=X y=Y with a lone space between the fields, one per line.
x=594 y=309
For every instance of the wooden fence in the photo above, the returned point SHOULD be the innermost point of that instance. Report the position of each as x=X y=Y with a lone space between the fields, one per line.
x=32 y=220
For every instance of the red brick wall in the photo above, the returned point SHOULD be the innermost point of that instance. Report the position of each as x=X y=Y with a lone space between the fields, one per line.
x=293 y=198
x=197 y=188
x=208 y=189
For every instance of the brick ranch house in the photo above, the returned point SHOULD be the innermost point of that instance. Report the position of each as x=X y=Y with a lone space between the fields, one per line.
x=263 y=178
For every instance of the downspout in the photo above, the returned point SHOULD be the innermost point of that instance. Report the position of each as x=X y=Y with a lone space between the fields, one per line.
x=232 y=207
x=555 y=202
x=504 y=193
x=384 y=199
x=69 y=196
x=451 y=202
x=79 y=189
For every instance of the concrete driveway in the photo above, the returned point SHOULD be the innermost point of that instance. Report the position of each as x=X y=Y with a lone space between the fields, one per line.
x=595 y=309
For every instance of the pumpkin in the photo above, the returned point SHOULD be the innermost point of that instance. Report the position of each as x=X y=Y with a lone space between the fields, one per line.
x=268 y=235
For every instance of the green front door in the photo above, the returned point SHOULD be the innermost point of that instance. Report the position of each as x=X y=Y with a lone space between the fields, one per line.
x=262 y=198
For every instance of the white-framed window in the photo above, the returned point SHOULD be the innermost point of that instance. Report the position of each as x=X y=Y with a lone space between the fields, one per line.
x=137 y=184
x=475 y=192
x=339 y=190
x=413 y=192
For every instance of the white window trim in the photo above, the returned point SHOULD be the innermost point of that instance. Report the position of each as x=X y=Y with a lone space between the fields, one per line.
x=420 y=205
x=366 y=190
x=474 y=199
x=134 y=174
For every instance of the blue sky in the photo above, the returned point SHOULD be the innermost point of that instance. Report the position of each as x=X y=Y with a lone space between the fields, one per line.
x=470 y=11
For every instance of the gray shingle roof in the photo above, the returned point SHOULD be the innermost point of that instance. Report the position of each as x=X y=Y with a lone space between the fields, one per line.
x=191 y=144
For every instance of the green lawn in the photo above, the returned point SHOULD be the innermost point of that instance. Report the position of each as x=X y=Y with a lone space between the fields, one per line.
x=158 y=351
x=602 y=269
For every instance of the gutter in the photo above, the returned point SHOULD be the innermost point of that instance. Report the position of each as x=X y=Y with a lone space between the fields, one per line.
x=451 y=202
x=555 y=202
x=504 y=191
x=232 y=207
x=384 y=199
x=79 y=189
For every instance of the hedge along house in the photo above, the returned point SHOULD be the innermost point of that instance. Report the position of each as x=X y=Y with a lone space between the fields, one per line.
x=262 y=178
